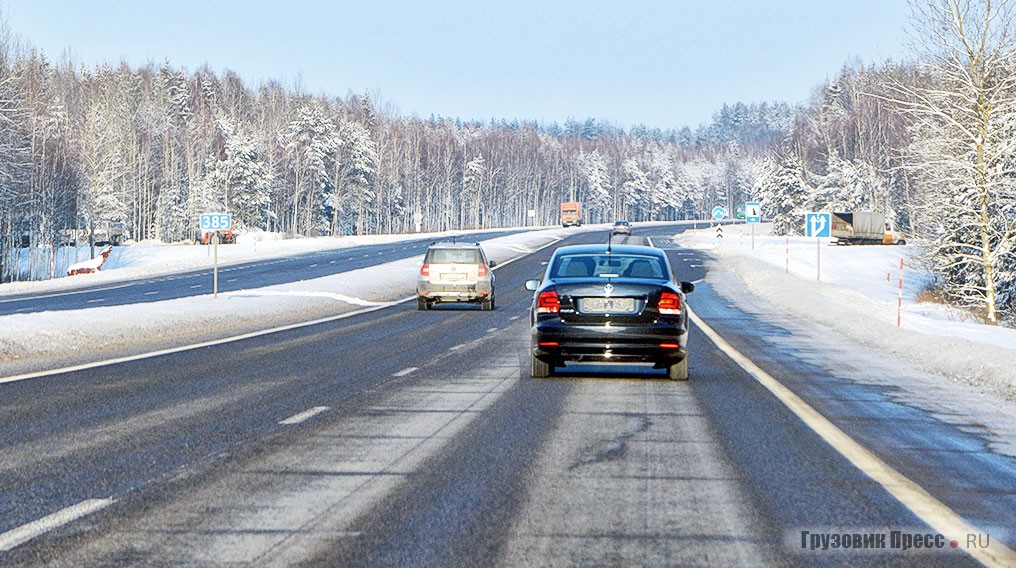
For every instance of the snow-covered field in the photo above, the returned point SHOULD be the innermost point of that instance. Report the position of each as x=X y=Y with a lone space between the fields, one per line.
x=937 y=357
x=833 y=296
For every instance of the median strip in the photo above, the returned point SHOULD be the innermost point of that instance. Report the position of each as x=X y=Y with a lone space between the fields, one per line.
x=925 y=506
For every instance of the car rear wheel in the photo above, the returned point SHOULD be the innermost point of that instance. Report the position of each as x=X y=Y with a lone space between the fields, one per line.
x=678 y=371
x=422 y=304
x=487 y=305
x=541 y=370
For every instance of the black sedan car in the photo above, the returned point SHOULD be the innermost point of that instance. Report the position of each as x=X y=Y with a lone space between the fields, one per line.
x=603 y=303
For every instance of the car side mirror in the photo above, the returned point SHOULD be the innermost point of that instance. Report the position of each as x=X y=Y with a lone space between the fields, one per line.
x=532 y=285
x=493 y=263
x=687 y=287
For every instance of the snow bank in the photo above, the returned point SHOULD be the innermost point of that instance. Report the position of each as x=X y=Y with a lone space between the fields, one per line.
x=155 y=259
x=841 y=294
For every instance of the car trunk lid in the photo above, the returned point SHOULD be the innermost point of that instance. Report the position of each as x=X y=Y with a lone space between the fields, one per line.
x=618 y=302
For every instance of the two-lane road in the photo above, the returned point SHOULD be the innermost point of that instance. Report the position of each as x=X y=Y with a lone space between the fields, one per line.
x=407 y=438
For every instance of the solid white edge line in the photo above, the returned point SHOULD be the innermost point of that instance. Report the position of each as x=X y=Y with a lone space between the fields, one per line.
x=20 y=535
x=170 y=350
x=304 y=416
x=406 y=371
x=68 y=293
x=927 y=508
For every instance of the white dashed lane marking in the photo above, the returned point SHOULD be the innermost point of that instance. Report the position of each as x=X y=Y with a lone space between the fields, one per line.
x=304 y=416
x=25 y=533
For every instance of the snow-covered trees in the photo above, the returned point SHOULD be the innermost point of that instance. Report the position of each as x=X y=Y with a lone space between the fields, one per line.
x=99 y=133
x=240 y=179
x=155 y=146
x=963 y=151
x=634 y=185
x=355 y=173
x=311 y=141
x=597 y=187
x=783 y=192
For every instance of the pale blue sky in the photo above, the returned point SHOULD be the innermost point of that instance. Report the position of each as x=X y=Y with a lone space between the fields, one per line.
x=662 y=63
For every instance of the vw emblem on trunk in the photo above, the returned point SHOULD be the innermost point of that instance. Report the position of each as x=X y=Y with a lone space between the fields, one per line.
x=453 y=268
x=608 y=289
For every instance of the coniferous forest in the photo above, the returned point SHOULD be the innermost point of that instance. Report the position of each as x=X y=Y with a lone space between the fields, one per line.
x=929 y=142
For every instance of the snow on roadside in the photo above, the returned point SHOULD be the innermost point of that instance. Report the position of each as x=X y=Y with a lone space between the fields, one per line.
x=156 y=259
x=31 y=342
x=852 y=300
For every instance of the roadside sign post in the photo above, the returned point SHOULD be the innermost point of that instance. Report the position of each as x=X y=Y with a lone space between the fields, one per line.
x=216 y=222
x=719 y=213
x=817 y=225
x=753 y=216
x=215 y=265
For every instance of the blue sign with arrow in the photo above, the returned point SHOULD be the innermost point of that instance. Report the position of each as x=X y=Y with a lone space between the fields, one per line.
x=817 y=225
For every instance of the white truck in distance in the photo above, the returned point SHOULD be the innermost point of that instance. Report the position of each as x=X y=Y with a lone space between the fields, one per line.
x=864 y=228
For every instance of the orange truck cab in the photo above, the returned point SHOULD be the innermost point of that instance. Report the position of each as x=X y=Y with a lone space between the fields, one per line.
x=571 y=214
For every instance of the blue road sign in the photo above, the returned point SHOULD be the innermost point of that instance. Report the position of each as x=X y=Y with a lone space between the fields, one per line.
x=753 y=212
x=719 y=212
x=817 y=224
x=216 y=222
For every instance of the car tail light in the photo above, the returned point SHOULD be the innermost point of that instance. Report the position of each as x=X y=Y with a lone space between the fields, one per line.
x=548 y=344
x=482 y=270
x=548 y=303
x=425 y=270
x=670 y=303
x=669 y=346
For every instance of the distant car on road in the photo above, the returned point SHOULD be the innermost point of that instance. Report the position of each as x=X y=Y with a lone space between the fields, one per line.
x=603 y=303
x=621 y=228
x=455 y=272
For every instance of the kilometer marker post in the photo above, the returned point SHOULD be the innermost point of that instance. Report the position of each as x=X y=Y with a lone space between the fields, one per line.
x=215 y=265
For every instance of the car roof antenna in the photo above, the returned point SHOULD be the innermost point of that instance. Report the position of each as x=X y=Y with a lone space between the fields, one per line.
x=610 y=239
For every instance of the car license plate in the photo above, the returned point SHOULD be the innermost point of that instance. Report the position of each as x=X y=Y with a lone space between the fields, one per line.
x=608 y=305
x=453 y=276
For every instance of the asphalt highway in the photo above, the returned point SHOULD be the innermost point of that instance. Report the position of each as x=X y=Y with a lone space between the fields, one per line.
x=232 y=277
x=402 y=438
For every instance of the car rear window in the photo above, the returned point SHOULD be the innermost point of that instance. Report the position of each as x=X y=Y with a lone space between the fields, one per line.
x=453 y=256
x=602 y=265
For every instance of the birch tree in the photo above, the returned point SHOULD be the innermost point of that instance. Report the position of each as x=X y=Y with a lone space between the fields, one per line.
x=635 y=185
x=597 y=184
x=964 y=139
x=359 y=157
